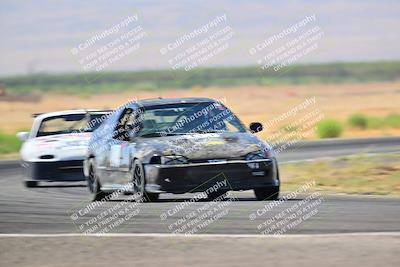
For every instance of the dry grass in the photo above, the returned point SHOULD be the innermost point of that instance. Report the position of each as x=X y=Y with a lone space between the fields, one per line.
x=251 y=103
x=376 y=175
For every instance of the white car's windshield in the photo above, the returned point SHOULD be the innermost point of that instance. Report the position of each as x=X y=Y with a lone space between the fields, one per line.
x=70 y=123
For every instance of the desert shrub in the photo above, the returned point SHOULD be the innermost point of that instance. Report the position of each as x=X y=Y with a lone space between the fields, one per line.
x=392 y=120
x=329 y=128
x=358 y=120
x=9 y=143
x=375 y=123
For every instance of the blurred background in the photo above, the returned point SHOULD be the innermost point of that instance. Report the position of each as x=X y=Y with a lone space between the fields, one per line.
x=52 y=54
x=322 y=76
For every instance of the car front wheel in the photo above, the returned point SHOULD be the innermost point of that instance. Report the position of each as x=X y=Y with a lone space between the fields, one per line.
x=267 y=193
x=30 y=184
x=220 y=194
x=139 y=184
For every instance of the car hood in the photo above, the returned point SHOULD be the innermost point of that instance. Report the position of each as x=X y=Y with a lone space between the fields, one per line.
x=204 y=146
x=61 y=146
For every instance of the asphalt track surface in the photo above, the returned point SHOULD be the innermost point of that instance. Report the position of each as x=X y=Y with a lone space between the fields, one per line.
x=197 y=250
x=63 y=207
x=42 y=226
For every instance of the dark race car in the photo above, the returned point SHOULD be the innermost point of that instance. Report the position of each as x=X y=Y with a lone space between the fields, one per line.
x=178 y=146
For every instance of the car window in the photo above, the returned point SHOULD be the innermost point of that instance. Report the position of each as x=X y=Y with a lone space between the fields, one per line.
x=70 y=123
x=128 y=121
x=188 y=118
x=94 y=121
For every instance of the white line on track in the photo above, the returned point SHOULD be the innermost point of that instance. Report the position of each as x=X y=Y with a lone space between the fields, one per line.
x=166 y=235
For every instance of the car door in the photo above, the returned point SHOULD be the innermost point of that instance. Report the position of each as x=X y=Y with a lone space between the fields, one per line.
x=120 y=154
x=102 y=145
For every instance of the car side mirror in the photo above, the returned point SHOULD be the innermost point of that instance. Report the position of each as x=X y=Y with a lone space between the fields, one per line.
x=123 y=135
x=256 y=127
x=119 y=134
x=23 y=136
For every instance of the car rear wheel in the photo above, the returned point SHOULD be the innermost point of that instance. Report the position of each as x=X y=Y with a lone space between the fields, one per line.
x=267 y=193
x=139 y=184
x=94 y=185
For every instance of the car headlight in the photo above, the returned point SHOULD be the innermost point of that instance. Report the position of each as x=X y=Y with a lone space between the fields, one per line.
x=173 y=160
x=266 y=153
x=168 y=160
x=269 y=153
x=255 y=155
x=261 y=154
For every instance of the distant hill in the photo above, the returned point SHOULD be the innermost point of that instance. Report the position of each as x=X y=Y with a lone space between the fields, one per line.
x=164 y=79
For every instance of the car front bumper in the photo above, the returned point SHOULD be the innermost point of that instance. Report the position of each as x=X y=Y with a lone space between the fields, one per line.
x=198 y=177
x=69 y=170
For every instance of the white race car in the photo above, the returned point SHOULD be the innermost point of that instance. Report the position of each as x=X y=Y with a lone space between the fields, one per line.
x=56 y=146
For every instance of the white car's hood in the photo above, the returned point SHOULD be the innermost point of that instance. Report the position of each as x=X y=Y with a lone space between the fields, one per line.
x=61 y=147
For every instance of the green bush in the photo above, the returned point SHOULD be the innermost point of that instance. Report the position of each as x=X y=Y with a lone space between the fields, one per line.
x=358 y=120
x=375 y=123
x=329 y=128
x=392 y=120
x=9 y=144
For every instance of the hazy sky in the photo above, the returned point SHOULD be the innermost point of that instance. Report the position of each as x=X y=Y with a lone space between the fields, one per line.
x=37 y=36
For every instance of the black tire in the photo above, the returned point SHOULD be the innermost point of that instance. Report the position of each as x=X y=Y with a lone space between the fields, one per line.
x=31 y=184
x=267 y=193
x=100 y=195
x=139 y=183
x=217 y=194
x=151 y=197
x=94 y=184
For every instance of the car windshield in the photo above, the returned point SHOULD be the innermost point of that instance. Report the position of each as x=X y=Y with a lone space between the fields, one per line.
x=188 y=118
x=70 y=123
